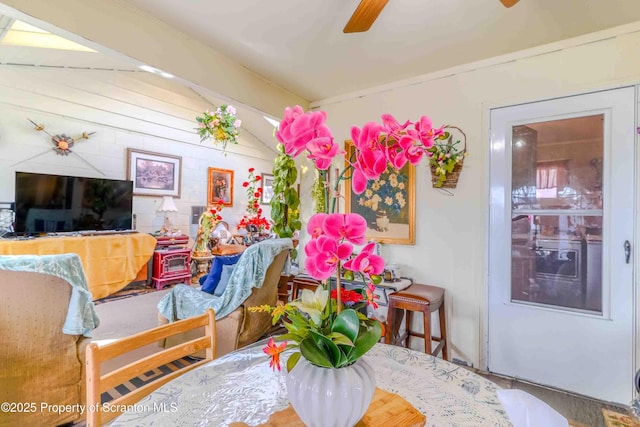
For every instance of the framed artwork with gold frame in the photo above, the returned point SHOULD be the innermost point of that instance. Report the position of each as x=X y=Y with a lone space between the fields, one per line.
x=220 y=187
x=388 y=204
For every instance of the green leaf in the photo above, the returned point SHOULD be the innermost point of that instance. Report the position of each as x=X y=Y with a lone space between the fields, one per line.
x=332 y=350
x=313 y=354
x=340 y=339
x=367 y=338
x=292 y=361
x=296 y=225
x=347 y=324
x=290 y=196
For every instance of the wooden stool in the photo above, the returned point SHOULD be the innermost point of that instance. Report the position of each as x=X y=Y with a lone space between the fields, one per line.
x=420 y=298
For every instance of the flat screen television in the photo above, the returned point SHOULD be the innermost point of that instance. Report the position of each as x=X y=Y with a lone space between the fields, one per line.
x=57 y=203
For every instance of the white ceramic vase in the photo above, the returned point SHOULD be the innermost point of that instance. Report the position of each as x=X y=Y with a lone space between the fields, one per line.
x=329 y=397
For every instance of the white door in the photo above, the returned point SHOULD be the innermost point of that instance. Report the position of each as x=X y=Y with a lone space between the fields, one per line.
x=561 y=219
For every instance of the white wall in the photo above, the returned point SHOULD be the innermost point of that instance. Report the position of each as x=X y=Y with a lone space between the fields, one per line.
x=125 y=110
x=451 y=232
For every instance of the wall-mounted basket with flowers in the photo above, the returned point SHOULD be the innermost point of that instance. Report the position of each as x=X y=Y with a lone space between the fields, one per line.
x=447 y=157
x=221 y=126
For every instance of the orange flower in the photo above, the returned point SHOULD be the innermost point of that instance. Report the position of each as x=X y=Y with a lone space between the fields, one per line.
x=273 y=350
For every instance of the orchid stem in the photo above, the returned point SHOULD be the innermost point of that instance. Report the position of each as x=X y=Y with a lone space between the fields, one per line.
x=338 y=291
x=340 y=178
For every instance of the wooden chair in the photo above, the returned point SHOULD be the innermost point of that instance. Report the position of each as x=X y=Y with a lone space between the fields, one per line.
x=97 y=383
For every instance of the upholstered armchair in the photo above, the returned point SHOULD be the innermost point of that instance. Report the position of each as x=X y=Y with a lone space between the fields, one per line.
x=46 y=312
x=253 y=282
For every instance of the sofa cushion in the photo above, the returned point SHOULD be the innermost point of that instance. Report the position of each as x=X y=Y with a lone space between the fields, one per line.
x=212 y=280
x=224 y=279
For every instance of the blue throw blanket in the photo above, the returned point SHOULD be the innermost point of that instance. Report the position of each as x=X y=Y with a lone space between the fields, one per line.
x=81 y=315
x=184 y=301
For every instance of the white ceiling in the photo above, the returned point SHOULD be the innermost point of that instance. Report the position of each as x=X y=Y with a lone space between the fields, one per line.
x=300 y=44
x=305 y=51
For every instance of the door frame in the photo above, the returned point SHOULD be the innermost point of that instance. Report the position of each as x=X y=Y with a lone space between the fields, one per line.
x=486 y=109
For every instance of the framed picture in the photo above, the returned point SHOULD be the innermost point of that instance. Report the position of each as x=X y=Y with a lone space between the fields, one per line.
x=388 y=204
x=220 y=187
x=154 y=174
x=267 y=188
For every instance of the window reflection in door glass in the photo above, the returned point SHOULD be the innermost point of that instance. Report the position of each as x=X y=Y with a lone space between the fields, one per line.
x=556 y=247
x=558 y=164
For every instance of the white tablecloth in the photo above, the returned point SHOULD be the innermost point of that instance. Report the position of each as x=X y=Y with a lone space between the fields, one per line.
x=241 y=387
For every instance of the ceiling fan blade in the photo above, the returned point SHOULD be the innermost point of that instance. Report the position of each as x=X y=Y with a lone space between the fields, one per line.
x=364 y=16
x=509 y=3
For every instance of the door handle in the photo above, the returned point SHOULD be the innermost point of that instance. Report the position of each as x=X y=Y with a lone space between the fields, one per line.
x=627 y=251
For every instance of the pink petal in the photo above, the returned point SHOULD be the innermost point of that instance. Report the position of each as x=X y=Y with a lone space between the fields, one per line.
x=358 y=181
x=314 y=226
x=344 y=250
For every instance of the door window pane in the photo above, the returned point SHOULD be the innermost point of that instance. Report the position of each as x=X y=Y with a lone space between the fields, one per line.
x=558 y=164
x=556 y=227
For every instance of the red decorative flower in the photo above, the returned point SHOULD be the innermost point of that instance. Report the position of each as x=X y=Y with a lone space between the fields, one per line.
x=245 y=184
x=347 y=296
x=251 y=169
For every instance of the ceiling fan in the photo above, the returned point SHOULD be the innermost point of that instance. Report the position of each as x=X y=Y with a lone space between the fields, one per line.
x=368 y=10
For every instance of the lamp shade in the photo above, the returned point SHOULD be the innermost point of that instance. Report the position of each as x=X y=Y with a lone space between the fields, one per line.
x=167 y=205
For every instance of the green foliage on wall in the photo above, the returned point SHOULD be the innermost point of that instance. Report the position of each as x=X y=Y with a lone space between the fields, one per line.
x=285 y=204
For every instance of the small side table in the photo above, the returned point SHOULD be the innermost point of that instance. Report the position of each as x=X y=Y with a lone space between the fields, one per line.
x=171 y=266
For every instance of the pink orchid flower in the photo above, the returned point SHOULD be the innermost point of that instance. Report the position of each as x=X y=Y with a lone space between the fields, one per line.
x=323 y=255
x=322 y=151
x=396 y=154
x=283 y=133
x=393 y=127
x=314 y=226
x=367 y=138
x=412 y=150
x=369 y=164
x=370 y=297
x=425 y=133
x=366 y=262
x=351 y=227
x=358 y=181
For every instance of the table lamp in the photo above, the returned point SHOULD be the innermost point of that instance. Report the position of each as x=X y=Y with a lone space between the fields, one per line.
x=167 y=205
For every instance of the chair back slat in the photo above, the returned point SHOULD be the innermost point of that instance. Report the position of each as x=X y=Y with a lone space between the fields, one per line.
x=97 y=383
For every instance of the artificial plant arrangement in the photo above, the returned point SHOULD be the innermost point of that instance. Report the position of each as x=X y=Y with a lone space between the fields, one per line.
x=325 y=327
x=317 y=326
x=220 y=125
x=253 y=213
x=206 y=225
x=285 y=212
